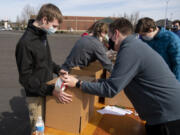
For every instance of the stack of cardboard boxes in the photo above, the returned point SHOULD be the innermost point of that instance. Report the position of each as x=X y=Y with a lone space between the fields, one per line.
x=73 y=117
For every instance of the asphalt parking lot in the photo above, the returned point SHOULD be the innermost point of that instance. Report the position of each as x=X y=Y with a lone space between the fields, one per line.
x=13 y=110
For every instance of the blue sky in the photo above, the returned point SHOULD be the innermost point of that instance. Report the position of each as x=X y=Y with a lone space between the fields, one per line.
x=10 y=9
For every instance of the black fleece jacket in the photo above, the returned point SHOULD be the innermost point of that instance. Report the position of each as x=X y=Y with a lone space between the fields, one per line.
x=34 y=62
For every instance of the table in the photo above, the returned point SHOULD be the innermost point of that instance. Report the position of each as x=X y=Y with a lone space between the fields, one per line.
x=108 y=125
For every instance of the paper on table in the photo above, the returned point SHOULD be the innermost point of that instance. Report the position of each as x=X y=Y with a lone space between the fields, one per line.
x=114 y=110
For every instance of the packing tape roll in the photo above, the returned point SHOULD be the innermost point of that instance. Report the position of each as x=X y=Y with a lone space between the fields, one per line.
x=59 y=85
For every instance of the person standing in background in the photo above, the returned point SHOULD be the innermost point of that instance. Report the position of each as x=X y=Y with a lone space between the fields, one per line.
x=176 y=27
x=163 y=41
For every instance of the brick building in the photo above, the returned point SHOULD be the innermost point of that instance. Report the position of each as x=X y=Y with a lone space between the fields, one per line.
x=78 y=23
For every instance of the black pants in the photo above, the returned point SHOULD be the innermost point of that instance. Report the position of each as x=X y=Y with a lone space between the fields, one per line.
x=169 y=128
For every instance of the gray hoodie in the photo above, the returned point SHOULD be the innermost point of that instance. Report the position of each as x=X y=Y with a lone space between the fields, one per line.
x=86 y=50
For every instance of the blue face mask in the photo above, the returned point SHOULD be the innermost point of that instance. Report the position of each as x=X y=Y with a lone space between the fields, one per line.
x=51 y=30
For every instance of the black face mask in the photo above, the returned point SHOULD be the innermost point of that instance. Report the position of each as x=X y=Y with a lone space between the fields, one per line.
x=111 y=44
x=174 y=28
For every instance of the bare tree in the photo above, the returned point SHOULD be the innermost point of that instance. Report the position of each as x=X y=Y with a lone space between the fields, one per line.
x=126 y=16
x=18 y=22
x=133 y=18
x=27 y=11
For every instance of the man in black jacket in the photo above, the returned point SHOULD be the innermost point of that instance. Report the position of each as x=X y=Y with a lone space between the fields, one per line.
x=35 y=63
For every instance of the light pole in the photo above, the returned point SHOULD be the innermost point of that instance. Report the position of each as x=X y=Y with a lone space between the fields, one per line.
x=171 y=17
x=166 y=8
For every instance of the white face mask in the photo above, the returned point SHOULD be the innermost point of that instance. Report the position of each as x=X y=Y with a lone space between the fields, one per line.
x=104 y=37
x=147 y=38
x=51 y=30
x=107 y=37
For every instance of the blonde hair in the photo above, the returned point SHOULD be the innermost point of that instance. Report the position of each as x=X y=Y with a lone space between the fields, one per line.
x=99 y=28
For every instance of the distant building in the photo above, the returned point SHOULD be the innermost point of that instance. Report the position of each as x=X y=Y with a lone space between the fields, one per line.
x=77 y=23
x=162 y=21
x=5 y=25
x=17 y=26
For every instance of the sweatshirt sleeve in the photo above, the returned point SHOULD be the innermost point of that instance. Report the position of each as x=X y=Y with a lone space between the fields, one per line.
x=174 y=54
x=67 y=65
x=69 y=62
x=30 y=82
x=102 y=57
x=125 y=69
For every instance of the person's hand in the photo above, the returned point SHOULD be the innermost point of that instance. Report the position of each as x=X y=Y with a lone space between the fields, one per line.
x=63 y=72
x=69 y=80
x=62 y=96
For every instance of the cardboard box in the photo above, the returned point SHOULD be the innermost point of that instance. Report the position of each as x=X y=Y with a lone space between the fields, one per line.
x=72 y=117
x=120 y=99
x=94 y=70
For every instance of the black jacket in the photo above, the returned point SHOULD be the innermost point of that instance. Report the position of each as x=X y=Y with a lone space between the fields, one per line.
x=34 y=62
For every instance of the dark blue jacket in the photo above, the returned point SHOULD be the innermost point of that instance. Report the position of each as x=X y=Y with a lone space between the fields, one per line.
x=167 y=44
x=177 y=33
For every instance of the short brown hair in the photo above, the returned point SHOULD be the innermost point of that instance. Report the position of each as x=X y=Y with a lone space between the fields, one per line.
x=176 y=21
x=123 y=25
x=144 y=25
x=99 y=28
x=51 y=12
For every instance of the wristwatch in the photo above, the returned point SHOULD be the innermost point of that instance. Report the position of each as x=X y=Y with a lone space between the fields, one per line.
x=78 y=84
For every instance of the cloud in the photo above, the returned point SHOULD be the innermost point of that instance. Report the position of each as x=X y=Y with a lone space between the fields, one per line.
x=150 y=8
